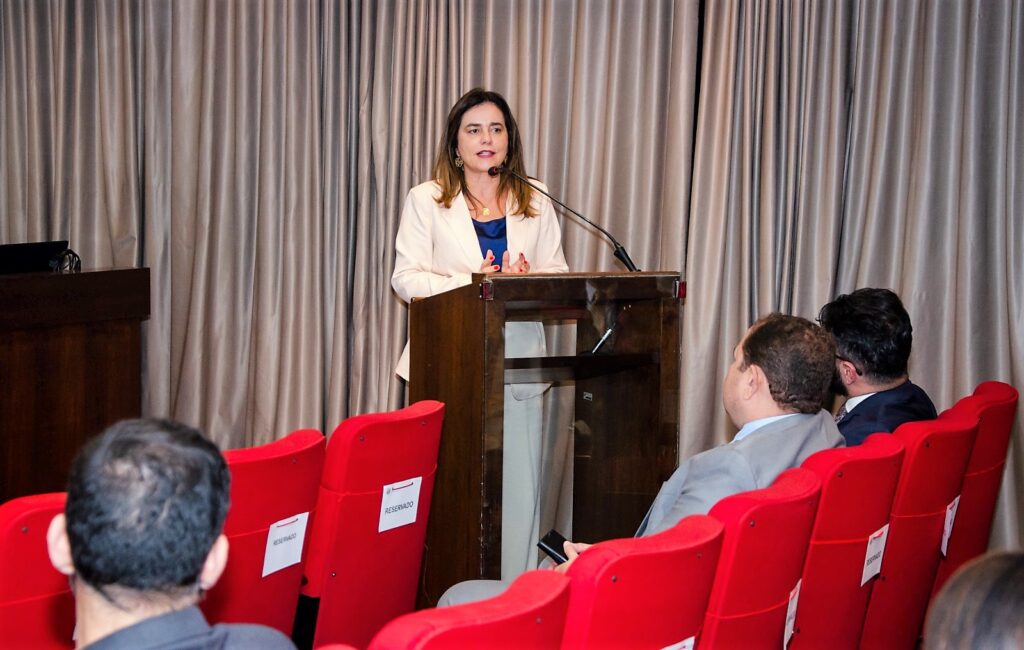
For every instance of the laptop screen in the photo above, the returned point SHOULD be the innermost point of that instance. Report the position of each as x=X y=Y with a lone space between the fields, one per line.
x=33 y=257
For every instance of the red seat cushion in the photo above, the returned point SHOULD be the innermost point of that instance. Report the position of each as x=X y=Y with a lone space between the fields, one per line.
x=529 y=614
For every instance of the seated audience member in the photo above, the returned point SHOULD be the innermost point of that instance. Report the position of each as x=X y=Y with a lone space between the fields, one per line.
x=872 y=333
x=980 y=606
x=773 y=391
x=141 y=540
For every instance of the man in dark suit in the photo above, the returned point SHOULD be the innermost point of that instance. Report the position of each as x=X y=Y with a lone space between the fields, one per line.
x=873 y=336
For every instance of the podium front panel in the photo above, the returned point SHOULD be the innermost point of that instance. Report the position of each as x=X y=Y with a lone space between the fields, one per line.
x=626 y=376
x=70 y=365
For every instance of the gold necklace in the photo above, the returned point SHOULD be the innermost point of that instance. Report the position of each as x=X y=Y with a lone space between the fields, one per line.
x=486 y=212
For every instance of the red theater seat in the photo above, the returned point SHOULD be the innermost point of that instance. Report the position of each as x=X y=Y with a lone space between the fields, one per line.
x=644 y=592
x=529 y=614
x=37 y=609
x=271 y=484
x=994 y=404
x=858 y=484
x=766 y=535
x=359 y=577
x=933 y=469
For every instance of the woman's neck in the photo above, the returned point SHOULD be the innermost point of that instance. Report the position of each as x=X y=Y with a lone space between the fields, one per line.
x=482 y=187
x=484 y=200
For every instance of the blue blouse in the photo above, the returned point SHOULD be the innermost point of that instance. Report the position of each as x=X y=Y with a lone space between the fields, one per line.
x=491 y=235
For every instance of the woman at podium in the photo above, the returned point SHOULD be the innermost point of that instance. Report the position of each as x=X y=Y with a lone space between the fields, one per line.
x=473 y=218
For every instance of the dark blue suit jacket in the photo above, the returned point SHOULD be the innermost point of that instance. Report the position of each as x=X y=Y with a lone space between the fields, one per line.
x=884 y=411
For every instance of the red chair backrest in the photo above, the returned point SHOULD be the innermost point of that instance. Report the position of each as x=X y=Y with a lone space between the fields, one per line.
x=529 y=614
x=37 y=609
x=994 y=404
x=365 y=578
x=857 y=489
x=933 y=469
x=644 y=592
x=766 y=535
x=269 y=484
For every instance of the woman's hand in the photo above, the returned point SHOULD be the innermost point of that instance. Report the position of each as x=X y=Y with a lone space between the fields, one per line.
x=488 y=265
x=520 y=265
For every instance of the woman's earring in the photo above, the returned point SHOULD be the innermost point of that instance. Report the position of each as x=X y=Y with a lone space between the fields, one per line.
x=458 y=161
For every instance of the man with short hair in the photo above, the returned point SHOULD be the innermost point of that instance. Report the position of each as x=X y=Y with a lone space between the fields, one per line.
x=141 y=540
x=873 y=337
x=773 y=392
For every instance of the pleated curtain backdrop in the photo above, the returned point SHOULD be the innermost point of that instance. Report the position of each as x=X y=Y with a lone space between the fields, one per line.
x=255 y=156
x=232 y=177
x=850 y=144
x=934 y=201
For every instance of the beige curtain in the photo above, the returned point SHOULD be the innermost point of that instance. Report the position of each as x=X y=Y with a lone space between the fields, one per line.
x=231 y=173
x=255 y=155
x=935 y=195
x=182 y=136
x=68 y=127
x=842 y=145
x=389 y=69
x=768 y=172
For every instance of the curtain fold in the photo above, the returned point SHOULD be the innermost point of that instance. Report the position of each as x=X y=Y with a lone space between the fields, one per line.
x=842 y=145
x=387 y=68
x=934 y=195
x=231 y=183
x=67 y=127
x=772 y=75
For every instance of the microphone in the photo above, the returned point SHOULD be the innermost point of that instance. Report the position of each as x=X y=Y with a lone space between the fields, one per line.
x=619 y=249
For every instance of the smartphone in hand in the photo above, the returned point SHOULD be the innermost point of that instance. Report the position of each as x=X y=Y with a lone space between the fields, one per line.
x=552 y=544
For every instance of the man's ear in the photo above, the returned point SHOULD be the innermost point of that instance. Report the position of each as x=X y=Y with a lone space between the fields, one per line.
x=58 y=546
x=847 y=371
x=753 y=381
x=216 y=561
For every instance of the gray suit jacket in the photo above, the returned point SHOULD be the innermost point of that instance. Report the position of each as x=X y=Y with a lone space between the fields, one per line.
x=739 y=466
x=699 y=483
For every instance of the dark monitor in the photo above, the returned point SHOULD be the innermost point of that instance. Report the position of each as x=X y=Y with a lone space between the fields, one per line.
x=33 y=257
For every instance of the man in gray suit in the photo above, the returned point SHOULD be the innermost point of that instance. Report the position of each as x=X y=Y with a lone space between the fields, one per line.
x=773 y=391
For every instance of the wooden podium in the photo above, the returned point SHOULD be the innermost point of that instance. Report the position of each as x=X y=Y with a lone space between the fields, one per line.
x=70 y=364
x=626 y=376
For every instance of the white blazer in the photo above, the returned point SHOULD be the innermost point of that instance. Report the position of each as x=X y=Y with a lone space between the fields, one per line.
x=437 y=250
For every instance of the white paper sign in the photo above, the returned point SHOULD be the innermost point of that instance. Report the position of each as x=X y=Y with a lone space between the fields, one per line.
x=284 y=543
x=399 y=503
x=947 y=529
x=794 y=596
x=873 y=556
x=685 y=644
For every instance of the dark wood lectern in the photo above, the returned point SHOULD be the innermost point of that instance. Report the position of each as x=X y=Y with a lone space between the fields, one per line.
x=70 y=364
x=626 y=376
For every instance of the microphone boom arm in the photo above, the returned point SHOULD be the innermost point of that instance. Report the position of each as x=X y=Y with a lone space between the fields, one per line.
x=618 y=249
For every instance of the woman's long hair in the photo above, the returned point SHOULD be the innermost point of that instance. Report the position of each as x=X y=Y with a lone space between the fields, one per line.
x=452 y=179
